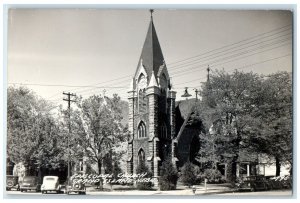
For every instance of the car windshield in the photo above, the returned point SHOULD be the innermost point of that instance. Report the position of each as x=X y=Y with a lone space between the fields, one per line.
x=28 y=179
x=50 y=179
x=11 y=177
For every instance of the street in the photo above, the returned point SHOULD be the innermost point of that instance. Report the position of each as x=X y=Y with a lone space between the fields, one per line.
x=172 y=192
x=261 y=193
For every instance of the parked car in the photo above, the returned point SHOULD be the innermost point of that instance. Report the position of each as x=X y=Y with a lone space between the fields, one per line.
x=30 y=183
x=253 y=183
x=12 y=182
x=74 y=186
x=51 y=184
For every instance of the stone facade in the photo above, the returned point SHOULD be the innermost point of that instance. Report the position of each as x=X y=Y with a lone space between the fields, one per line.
x=151 y=110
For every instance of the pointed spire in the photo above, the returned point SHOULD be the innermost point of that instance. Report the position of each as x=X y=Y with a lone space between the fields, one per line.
x=131 y=87
x=170 y=83
x=153 y=82
x=208 y=69
x=151 y=52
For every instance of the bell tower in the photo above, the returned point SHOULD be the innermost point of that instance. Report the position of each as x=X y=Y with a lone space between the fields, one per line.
x=151 y=109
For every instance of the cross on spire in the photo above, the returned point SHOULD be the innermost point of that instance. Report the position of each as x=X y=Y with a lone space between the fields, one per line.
x=151 y=11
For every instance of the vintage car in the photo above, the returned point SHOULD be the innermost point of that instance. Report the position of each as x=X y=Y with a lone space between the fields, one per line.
x=30 y=183
x=253 y=183
x=12 y=182
x=75 y=186
x=51 y=184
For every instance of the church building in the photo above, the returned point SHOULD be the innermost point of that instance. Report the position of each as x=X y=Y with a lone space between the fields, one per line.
x=151 y=109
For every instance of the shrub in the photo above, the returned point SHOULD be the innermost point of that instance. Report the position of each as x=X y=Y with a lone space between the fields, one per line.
x=213 y=176
x=142 y=168
x=280 y=182
x=189 y=174
x=168 y=176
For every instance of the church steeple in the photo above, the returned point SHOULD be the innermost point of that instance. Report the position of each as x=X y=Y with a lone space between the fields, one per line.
x=151 y=53
x=151 y=102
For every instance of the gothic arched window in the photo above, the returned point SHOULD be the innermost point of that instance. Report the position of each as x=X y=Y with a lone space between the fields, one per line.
x=141 y=130
x=141 y=156
x=163 y=131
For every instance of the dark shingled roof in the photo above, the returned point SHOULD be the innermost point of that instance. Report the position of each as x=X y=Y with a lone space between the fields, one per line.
x=151 y=53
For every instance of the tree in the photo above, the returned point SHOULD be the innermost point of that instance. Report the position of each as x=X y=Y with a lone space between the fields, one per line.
x=245 y=113
x=32 y=133
x=168 y=176
x=98 y=124
x=276 y=138
x=232 y=114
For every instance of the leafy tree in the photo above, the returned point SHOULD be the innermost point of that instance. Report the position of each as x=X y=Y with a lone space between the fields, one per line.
x=245 y=113
x=99 y=128
x=168 y=176
x=31 y=130
x=232 y=114
x=275 y=137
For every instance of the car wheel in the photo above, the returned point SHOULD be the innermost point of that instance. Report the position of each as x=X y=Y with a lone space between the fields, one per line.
x=21 y=190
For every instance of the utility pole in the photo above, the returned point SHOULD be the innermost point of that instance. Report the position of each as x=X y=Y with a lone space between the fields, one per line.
x=69 y=95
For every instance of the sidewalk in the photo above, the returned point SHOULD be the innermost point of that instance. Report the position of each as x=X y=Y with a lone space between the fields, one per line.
x=181 y=190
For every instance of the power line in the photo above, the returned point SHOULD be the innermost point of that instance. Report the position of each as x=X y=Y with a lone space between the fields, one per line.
x=225 y=51
x=180 y=73
x=270 y=44
x=119 y=87
x=205 y=65
x=209 y=51
x=242 y=67
x=209 y=63
x=232 y=44
x=108 y=87
x=177 y=74
x=52 y=85
x=96 y=84
x=174 y=74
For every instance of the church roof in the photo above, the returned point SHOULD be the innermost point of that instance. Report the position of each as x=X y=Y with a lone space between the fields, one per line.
x=151 y=53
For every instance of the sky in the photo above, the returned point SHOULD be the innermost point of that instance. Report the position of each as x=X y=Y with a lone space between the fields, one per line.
x=96 y=51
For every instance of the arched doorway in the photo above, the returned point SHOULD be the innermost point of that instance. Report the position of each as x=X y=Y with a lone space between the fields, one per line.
x=141 y=157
